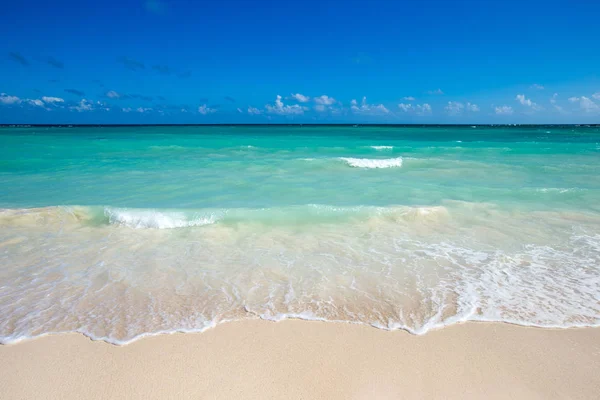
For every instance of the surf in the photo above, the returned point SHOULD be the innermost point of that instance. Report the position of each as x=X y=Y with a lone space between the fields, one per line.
x=373 y=163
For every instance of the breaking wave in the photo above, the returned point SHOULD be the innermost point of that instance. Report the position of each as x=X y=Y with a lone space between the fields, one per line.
x=373 y=163
x=122 y=274
x=141 y=219
x=382 y=148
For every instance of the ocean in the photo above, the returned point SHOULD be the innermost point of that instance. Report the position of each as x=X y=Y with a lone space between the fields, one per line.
x=124 y=232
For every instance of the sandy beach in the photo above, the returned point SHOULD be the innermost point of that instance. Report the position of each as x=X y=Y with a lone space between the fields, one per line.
x=324 y=200
x=310 y=360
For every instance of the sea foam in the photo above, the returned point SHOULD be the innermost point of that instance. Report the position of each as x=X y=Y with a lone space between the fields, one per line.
x=411 y=268
x=373 y=163
x=382 y=148
x=142 y=219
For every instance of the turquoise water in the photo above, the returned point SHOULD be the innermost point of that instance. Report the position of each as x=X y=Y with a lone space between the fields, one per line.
x=241 y=167
x=121 y=232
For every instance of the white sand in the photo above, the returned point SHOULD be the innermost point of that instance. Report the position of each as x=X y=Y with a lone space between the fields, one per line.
x=310 y=360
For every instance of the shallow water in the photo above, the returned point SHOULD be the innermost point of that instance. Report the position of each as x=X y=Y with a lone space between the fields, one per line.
x=128 y=231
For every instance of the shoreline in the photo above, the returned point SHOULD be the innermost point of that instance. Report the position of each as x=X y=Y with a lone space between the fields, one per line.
x=257 y=359
x=148 y=335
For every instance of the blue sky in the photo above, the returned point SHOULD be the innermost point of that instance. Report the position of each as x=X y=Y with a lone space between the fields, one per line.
x=234 y=61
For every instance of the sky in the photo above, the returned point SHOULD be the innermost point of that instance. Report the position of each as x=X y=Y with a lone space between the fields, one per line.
x=325 y=61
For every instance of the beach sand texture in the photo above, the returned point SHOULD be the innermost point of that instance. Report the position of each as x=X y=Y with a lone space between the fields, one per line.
x=310 y=360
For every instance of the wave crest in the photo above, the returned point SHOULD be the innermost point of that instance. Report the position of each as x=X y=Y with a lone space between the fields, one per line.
x=373 y=163
x=381 y=148
x=143 y=219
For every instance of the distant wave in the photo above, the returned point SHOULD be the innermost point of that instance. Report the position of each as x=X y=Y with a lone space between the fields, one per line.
x=373 y=163
x=557 y=190
x=381 y=148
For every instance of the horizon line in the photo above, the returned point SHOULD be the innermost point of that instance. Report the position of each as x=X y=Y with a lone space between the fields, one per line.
x=290 y=125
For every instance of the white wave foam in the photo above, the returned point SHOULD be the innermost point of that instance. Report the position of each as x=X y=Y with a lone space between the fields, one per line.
x=373 y=163
x=556 y=190
x=381 y=148
x=437 y=274
x=143 y=219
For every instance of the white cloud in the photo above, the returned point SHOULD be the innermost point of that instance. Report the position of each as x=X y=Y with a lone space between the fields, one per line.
x=36 y=102
x=324 y=100
x=555 y=106
x=366 y=108
x=536 y=87
x=423 y=110
x=409 y=98
x=240 y=110
x=143 y=109
x=83 y=105
x=112 y=94
x=52 y=100
x=585 y=103
x=472 y=107
x=596 y=95
x=527 y=102
x=457 y=108
x=126 y=109
x=524 y=101
x=419 y=109
x=204 y=110
x=47 y=100
x=588 y=105
x=454 y=108
x=301 y=98
x=254 y=111
x=437 y=91
x=6 y=99
x=324 y=103
x=282 y=109
x=504 y=110
x=103 y=106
